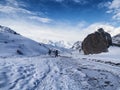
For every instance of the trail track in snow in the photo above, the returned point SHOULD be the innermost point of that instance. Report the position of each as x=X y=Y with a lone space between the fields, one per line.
x=62 y=73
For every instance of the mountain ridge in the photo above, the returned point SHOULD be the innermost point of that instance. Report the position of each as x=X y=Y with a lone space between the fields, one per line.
x=13 y=43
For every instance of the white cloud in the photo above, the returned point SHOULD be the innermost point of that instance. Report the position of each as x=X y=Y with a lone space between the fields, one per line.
x=115 y=4
x=40 y=32
x=117 y=16
x=82 y=24
x=40 y=19
x=107 y=27
x=13 y=8
x=81 y=1
x=114 y=7
x=12 y=3
x=104 y=4
x=63 y=32
x=76 y=1
x=59 y=0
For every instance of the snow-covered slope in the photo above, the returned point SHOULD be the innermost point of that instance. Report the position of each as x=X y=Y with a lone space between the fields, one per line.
x=73 y=72
x=11 y=43
x=116 y=39
x=7 y=30
x=77 y=45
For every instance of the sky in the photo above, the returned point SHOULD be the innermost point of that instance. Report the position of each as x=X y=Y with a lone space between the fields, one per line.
x=67 y=20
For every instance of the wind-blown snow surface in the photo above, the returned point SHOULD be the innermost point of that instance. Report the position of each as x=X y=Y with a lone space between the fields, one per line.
x=68 y=72
x=11 y=43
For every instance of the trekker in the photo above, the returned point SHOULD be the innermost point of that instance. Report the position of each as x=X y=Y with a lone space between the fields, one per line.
x=56 y=53
x=49 y=52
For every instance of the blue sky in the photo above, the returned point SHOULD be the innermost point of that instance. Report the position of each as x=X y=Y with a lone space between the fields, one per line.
x=52 y=19
x=70 y=10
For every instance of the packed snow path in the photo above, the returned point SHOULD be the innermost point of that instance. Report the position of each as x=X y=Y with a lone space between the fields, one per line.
x=61 y=73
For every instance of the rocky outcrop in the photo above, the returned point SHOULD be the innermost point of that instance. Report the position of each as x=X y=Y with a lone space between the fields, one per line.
x=96 y=42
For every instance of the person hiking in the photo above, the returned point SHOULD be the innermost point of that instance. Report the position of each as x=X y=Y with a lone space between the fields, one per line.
x=49 y=52
x=56 y=53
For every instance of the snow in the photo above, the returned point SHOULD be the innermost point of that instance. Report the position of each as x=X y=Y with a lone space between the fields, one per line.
x=11 y=42
x=113 y=55
x=116 y=39
x=62 y=44
x=77 y=45
x=68 y=72
x=35 y=70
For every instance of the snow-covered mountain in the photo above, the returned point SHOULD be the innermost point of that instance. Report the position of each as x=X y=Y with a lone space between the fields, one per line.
x=61 y=43
x=7 y=30
x=12 y=43
x=116 y=40
x=77 y=45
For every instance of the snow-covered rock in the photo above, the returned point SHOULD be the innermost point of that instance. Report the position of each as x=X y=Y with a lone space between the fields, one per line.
x=12 y=43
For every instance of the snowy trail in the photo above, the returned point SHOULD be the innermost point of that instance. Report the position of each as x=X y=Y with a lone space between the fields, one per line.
x=62 y=73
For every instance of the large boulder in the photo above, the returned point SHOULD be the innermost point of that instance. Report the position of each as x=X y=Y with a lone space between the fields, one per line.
x=96 y=42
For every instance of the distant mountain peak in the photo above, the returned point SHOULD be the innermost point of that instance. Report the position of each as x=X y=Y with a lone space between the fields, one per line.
x=61 y=43
x=116 y=39
x=77 y=45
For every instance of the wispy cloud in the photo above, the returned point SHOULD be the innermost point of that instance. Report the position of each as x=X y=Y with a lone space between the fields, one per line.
x=104 y=4
x=76 y=1
x=14 y=3
x=15 y=8
x=59 y=0
x=81 y=1
x=12 y=6
x=66 y=33
x=41 y=19
x=114 y=7
x=115 y=4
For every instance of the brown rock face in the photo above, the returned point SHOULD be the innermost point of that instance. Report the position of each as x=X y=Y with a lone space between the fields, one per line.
x=95 y=43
